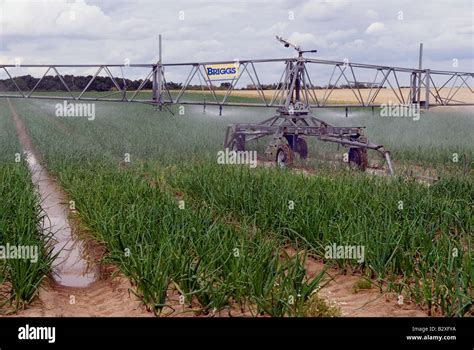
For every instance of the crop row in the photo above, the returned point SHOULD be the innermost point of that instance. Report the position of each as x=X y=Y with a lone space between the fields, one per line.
x=191 y=253
x=163 y=247
x=417 y=239
x=24 y=258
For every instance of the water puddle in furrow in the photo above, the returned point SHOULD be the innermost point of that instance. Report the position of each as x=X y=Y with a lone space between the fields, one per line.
x=70 y=269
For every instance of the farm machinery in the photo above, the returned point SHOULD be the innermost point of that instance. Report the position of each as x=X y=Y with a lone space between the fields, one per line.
x=290 y=128
x=295 y=122
x=294 y=97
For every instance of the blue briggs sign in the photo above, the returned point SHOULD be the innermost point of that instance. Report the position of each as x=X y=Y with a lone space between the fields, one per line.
x=214 y=71
x=222 y=71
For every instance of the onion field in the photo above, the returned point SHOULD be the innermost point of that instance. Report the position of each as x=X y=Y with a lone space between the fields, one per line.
x=204 y=237
x=20 y=218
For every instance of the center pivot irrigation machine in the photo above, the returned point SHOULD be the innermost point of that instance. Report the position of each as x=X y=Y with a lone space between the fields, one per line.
x=293 y=97
x=295 y=121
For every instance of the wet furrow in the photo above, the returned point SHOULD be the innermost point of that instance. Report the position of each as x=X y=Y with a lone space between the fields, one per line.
x=70 y=269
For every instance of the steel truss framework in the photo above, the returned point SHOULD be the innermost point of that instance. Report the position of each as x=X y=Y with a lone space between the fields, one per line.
x=293 y=98
x=422 y=90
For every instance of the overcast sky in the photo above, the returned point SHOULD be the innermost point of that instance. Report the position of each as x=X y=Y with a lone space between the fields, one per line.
x=112 y=31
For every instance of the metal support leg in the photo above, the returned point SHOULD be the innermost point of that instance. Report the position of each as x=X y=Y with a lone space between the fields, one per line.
x=427 y=91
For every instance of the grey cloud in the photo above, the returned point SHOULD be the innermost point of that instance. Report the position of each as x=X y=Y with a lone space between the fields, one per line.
x=111 y=31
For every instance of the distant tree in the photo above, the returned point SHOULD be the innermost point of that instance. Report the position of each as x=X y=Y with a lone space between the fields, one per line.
x=78 y=83
x=174 y=86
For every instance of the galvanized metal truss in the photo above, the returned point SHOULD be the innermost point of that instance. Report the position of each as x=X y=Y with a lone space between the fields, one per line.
x=294 y=97
x=425 y=85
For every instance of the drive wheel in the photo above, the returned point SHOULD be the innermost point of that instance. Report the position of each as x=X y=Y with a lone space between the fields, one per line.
x=284 y=156
x=238 y=143
x=358 y=158
x=302 y=148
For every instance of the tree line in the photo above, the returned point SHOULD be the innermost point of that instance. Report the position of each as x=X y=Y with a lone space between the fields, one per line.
x=100 y=83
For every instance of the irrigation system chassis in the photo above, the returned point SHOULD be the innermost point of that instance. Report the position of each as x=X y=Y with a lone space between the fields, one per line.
x=294 y=98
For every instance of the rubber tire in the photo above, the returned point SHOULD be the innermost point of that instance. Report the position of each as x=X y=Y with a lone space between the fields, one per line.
x=358 y=157
x=302 y=148
x=238 y=143
x=287 y=156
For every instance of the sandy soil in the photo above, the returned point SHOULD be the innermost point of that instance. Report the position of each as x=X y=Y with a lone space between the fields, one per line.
x=363 y=303
x=105 y=298
x=338 y=291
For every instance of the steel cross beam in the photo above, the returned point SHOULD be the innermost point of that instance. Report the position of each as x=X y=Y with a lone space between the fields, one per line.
x=295 y=84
